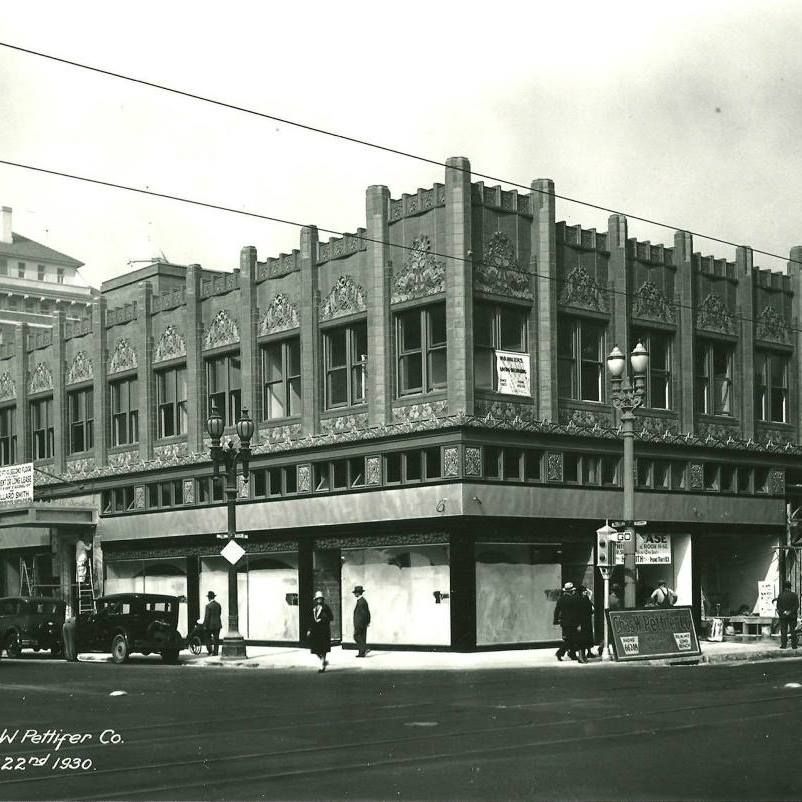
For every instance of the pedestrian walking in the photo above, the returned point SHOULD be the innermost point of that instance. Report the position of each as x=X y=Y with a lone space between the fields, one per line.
x=662 y=595
x=212 y=623
x=319 y=634
x=787 y=612
x=586 y=639
x=568 y=614
x=361 y=621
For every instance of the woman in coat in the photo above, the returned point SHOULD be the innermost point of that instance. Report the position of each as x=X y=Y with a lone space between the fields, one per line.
x=586 y=639
x=319 y=633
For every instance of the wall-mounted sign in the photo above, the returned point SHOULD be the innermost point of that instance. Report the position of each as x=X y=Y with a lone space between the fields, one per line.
x=16 y=484
x=650 y=549
x=512 y=373
x=766 y=594
x=653 y=633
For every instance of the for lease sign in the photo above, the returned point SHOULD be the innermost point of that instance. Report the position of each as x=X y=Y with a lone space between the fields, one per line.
x=16 y=484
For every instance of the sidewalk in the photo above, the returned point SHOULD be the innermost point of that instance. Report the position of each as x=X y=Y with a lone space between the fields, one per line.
x=293 y=657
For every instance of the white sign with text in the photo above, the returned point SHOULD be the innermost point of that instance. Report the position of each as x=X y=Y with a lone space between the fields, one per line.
x=16 y=484
x=512 y=372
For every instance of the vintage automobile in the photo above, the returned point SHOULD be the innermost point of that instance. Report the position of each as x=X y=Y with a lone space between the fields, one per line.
x=31 y=622
x=124 y=623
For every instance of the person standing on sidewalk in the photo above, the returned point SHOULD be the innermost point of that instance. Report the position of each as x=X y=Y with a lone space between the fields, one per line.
x=361 y=621
x=212 y=623
x=319 y=633
x=787 y=612
x=662 y=595
x=568 y=614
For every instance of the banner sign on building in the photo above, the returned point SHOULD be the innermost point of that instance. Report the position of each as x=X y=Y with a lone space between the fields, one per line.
x=512 y=373
x=651 y=549
x=653 y=633
x=16 y=484
x=766 y=594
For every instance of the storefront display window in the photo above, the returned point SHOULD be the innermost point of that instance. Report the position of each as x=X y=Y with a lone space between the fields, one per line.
x=272 y=597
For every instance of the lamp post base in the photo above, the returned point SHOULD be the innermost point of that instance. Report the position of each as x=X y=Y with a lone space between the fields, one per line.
x=233 y=646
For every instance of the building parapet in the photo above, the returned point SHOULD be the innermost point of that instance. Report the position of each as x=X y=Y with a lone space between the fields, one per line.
x=121 y=314
x=169 y=300
x=42 y=338
x=219 y=284
x=77 y=328
x=578 y=237
x=497 y=198
x=338 y=247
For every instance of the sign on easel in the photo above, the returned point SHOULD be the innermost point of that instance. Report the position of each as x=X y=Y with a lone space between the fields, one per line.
x=653 y=632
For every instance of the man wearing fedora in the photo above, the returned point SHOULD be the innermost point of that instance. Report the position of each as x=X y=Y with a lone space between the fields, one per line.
x=212 y=623
x=361 y=621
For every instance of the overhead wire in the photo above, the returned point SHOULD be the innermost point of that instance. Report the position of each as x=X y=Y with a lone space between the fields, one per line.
x=361 y=236
x=374 y=145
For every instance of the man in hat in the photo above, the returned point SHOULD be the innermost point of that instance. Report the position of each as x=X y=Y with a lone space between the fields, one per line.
x=568 y=613
x=787 y=612
x=662 y=595
x=212 y=623
x=361 y=621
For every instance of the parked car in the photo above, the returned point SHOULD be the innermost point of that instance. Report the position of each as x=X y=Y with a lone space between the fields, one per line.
x=31 y=622
x=124 y=623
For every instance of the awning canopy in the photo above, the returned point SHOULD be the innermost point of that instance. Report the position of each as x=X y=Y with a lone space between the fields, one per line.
x=44 y=514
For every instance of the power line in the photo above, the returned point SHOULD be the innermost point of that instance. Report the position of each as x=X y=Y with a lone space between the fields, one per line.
x=374 y=145
x=284 y=221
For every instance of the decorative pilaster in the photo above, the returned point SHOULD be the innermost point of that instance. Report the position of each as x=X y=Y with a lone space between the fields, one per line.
x=459 y=285
x=23 y=423
x=682 y=380
x=146 y=380
x=59 y=397
x=249 y=354
x=379 y=390
x=620 y=329
x=745 y=367
x=795 y=272
x=100 y=384
x=311 y=390
x=196 y=375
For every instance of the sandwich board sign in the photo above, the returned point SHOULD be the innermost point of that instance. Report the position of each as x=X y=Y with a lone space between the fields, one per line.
x=653 y=633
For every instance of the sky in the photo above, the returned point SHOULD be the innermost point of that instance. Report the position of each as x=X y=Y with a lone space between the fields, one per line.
x=686 y=113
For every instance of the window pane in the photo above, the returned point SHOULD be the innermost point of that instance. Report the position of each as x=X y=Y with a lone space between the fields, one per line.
x=294 y=356
x=359 y=342
x=338 y=387
x=409 y=331
x=513 y=333
x=591 y=381
x=438 y=368
x=272 y=363
x=336 y=353
x=437 y=325
x=411 y=370
x=483 y=325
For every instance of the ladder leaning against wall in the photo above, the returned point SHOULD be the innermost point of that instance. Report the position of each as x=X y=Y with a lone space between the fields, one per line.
x=27 y=577
x=86 y=590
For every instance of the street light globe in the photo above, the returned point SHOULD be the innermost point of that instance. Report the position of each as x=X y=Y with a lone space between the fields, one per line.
x=639 y=359
x=245 y=427
x=615 y=362
x=215 y=424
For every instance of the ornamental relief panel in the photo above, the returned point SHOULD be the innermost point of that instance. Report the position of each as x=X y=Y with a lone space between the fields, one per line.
x=123 y=357
x=343 y=423
x=586 y=418
x=80 y=370
x=451 y=461
x=499 y=271
x=304 y=477
x=716 y=431
x=346 y=298
x=171 y=345
x=696 y=479
x=582 y=290
x=272 y=435
x=771 y=326
x=139 y=497
x=8 y=388
x=189 y=491
x=373 y=471
x=421 y=274
x=473 y=461
x=123 y=461
x=650 y=302
x=281 y=315
x=415 y=412
x=554 y=466
x=713 y=315
x=777 y=483
x=221 y=331
x=40 y=379
x=507 y=411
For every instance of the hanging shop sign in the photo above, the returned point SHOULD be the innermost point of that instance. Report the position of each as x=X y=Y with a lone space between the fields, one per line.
x=650 y=549
x=512 y=373
x=653 y=633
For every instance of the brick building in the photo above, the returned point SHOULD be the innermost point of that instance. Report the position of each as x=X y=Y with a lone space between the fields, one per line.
x=394 y=446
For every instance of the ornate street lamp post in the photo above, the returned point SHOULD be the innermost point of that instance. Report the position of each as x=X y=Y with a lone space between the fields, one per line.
x=628 y=396
x=227 y=455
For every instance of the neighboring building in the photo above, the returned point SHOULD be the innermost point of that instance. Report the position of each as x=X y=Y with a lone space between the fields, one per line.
x=393 y=448
x=35 y=281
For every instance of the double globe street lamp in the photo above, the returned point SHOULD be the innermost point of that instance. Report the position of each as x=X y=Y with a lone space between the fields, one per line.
x=227 y=455
x=628 y=396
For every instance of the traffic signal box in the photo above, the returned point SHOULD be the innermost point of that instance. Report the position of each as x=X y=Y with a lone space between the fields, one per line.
x=605 y=546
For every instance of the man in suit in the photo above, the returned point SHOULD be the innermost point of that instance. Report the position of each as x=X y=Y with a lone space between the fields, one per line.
x=361 y=621
x=212 y=623
x=787 y=612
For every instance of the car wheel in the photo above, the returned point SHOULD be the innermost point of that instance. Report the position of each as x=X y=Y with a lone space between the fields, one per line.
x=13 y=645
x=195 y=644
x=119 y=649
x=170 y=656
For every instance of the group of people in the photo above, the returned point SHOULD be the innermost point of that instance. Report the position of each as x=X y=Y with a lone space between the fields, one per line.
x=573 y=613
x=319 y=633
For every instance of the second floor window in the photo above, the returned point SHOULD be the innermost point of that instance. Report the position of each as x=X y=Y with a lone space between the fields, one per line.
x=496 y=327
x=171 y=400
x=421 y=349
x=345 y=356
x=124 y=412
x=80 y=420
x=713 y=378
x=21 y=269
x=40 y=272
x=771 y=387
x=42 y=437
x=8 y=436
x=223 y=382
x=580 y=358
x=281 y=372
x=658 y=376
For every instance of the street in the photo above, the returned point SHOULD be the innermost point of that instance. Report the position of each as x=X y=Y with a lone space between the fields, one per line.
x=723 y=731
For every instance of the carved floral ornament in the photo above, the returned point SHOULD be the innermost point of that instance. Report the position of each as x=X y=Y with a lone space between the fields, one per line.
x=80 y=370
x=420 y=275
x=581 y=289
x=8 y=388
x=123 y=357
x=171 y=345
x=281 y=315
x=40 y=379
x=771 y=326
x=651 y=302
x=221 y=331
x=499 y=271
x=714 y=315
x=346 y=298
